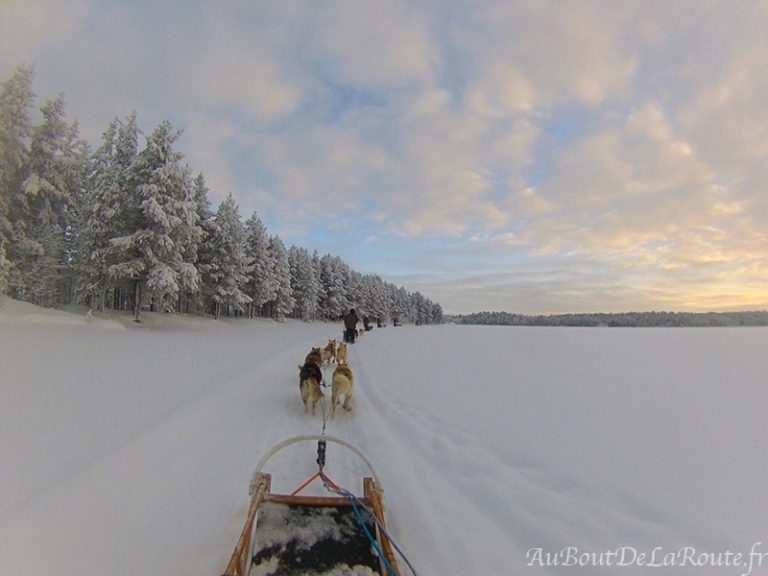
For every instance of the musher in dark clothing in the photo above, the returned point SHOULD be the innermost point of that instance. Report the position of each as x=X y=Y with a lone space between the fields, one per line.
x=350 y=325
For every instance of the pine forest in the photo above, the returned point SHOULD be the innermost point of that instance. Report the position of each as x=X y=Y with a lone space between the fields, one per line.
x=128 y=226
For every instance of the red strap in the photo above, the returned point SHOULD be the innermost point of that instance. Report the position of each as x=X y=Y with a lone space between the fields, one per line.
x=307 y=483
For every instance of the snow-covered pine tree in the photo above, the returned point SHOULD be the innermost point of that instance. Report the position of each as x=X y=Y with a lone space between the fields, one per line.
x=16 y=100
x=375 y=297
x=190 y=238
x=420 y=308
x=206 y=254
x=333 y=300
x=282 y=304
x=317 y=270
x=105 y=195
x=48 y=207
x=383 y=299
x=118 y=205
x=366 y=297
x=353 y=280
x=93 y=237
x=202 y=203
x=400 y=304
x=75 y=169
x=437 y=313
x=304 y=285
x=231 y=264
x=161 y=219
x=262 y=285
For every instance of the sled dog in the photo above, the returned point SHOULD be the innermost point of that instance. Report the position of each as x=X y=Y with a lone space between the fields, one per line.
x=315 y=356
x=341 y=354
x=310 y=377
x=342 y=384
x=329 y=352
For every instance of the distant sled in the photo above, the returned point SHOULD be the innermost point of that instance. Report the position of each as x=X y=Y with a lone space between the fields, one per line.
x=287 y=534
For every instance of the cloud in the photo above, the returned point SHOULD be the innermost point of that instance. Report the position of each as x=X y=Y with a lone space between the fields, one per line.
x=322 y=172
x=723 y=101
x=632 y=185
x=454 y=169
x=41 y=25
x=440 y=188
x=255 y=87
x=499 y=90
x=545 y=53
x=372 y=45
x=238 y=62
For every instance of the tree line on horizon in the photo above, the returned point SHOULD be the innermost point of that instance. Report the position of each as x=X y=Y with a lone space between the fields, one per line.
x=622 y=319
x=125 y=228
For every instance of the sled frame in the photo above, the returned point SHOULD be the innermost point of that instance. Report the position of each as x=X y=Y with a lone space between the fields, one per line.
x=239 y=563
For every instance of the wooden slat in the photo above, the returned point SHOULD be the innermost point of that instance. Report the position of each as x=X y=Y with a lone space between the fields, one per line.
x=238 y=563
x=373 y=493
x=330 y=501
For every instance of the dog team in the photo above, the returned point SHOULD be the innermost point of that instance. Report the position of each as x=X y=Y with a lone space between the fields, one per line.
x=311 y=377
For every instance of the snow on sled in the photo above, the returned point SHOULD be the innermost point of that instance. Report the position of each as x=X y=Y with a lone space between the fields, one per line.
x=291 y=534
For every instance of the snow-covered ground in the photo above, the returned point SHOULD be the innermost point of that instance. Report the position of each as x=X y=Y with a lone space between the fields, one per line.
x=127 y=449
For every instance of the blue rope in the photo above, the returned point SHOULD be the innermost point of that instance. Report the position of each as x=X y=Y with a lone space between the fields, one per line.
x=367 y=533
x=355 y=502
x=384 y=531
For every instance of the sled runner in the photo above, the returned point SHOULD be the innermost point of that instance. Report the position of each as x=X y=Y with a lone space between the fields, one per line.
x=287 y=534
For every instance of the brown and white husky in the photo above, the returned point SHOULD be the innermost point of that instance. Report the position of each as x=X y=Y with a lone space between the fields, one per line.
x=341 y=354
x=329 y=352
x=342 y=384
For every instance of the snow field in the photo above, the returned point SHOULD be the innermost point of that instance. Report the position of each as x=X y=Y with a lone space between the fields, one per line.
x=129 y=448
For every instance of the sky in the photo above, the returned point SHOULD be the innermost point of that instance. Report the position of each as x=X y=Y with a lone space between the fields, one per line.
x=527 y=156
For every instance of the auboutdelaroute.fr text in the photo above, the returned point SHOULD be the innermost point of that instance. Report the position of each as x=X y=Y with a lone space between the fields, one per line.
x=627 y=556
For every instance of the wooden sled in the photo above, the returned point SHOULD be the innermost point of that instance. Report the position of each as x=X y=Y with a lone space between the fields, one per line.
x=294 y=534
